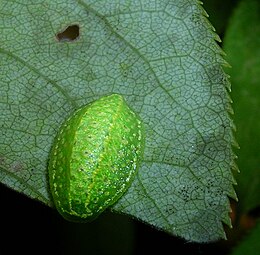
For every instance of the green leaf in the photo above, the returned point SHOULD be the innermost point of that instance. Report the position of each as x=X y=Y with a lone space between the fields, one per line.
x=242 y=47
x=163 y=58
x=250 y=245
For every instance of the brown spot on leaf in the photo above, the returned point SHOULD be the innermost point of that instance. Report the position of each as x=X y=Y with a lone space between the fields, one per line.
x=17 y=166
x=2 y=160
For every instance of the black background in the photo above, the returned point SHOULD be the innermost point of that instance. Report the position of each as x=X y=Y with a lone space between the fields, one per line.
x=33 y=228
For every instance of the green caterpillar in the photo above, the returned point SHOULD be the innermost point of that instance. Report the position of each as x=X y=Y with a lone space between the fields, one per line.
x=95 y=157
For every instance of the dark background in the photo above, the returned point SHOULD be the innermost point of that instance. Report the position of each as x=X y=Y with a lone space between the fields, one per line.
x=29 y=227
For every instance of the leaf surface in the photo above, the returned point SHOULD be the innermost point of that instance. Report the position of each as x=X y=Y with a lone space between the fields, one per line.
x=163 y=58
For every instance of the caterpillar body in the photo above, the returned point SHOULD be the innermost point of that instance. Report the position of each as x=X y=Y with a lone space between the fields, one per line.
x=95 y=158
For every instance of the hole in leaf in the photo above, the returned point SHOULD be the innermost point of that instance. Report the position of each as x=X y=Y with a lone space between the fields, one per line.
x=70 y=34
